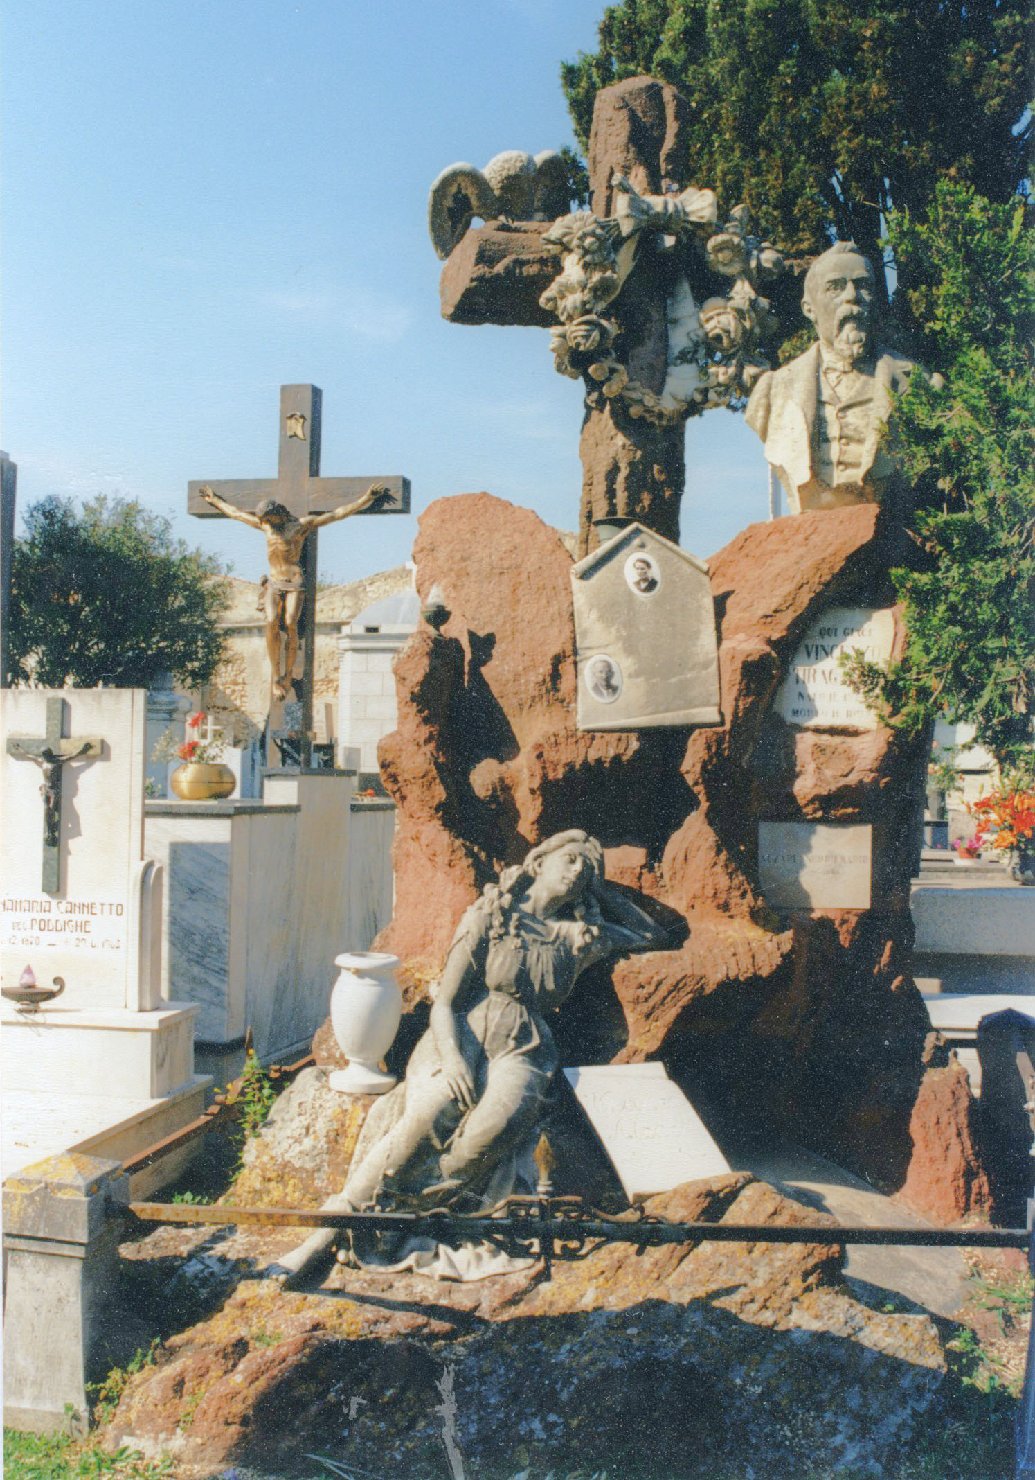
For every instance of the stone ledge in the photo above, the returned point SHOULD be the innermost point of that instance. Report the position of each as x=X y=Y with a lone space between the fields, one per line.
x=165 y=808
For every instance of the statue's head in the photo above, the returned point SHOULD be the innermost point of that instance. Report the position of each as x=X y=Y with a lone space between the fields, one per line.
x=563 y=867
x=838 y=298
x=270 y=512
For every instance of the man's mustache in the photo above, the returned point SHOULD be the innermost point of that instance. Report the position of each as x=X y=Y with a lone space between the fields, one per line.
x=852 y=313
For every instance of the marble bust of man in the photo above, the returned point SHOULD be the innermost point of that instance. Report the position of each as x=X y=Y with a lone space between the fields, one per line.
x=822 y=414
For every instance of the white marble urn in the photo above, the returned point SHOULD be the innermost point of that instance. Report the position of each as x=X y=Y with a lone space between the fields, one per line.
x=366 y=1006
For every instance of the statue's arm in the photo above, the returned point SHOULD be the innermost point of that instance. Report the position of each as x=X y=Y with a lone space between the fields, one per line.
x=375 y=492
x=461 y=973
x=624 y=924
x=759 y=405
x=211 y=497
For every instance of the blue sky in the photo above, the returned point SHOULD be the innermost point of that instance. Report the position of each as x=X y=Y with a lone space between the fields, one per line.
x=203 y=199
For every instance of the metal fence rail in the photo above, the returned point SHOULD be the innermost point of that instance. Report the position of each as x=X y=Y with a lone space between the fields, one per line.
x=565 y=1219
x=566 y=1228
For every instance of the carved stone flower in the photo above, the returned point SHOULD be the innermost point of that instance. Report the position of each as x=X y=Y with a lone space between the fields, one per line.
x=561 y=351
x=768 y=261
x=723 y=326
x=589 y=333
x=727 y=253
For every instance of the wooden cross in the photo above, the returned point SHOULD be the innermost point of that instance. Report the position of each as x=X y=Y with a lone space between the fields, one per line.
x=52 y=752
x=299 y=487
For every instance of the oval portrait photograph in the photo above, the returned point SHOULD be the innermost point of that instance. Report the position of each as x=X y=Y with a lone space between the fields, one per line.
x=603 y=678
x=642 y=573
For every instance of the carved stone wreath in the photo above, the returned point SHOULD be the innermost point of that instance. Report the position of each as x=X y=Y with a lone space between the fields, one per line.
x=713 y=356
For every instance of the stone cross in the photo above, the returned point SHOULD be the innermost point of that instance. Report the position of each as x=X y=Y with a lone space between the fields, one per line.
x=52 y=752
x=664 y=291
x=302 y=491
x=209 y=731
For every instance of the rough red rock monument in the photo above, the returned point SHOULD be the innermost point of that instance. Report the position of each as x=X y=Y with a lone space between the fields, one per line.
x=782 y=1020
x=802 y=1024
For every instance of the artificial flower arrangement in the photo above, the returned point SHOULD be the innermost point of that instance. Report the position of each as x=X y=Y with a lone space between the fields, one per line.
x=968 y=847
x=193 y=750
x=1006 y=818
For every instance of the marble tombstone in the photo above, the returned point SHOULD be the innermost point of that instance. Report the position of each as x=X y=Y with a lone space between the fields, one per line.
x=646 y=647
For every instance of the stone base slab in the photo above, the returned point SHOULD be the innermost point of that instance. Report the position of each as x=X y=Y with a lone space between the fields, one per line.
x=139 y=1055
x=39 y=1125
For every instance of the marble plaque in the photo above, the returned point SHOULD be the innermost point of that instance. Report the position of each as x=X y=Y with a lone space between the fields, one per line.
x=649 y=1129
x=100 y=930
x=815 y=865
x=815 y=694
x=646 y=646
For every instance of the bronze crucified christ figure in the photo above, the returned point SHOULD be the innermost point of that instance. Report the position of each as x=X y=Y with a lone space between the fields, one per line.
x=285 y=586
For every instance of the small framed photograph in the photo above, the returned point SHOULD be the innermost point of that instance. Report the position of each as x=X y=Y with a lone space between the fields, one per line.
x=603 y=678
x=642 y=574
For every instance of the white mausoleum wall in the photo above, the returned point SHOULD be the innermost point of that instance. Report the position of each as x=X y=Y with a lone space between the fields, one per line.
x=366 y=683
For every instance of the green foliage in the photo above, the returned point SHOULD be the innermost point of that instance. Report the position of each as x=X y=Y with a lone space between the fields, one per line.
x=61 y=1457
x=970 y=598
x=821 y=115
x=106 y=1394
x=191 y=1199
x=578 y=178
x=255 y=1097
x=106 y=595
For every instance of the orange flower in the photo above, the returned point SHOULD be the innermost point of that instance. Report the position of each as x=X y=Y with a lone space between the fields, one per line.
x=188 y=750
x=194 y=720
x=1010 y=815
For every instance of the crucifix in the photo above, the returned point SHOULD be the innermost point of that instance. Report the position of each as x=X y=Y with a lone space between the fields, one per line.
x=289 y=509
x=636 y=293
x=51 y=752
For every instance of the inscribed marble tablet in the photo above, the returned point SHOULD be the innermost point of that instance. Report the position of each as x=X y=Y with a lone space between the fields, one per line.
x=815 y=865
x=815 y=693
x=649 y=1129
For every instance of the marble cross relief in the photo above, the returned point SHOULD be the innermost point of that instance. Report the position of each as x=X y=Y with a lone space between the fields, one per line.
x=51 y=753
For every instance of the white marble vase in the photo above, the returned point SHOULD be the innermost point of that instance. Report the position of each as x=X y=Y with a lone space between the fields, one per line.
x=366 y=1006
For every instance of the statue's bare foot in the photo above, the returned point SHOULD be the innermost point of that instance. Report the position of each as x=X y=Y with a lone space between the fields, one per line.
x=279 y=688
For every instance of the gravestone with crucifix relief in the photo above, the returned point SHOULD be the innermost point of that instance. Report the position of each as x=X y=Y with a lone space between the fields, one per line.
x=638 y=296
x=52 y=752
x=81 y=917
x=289 y=509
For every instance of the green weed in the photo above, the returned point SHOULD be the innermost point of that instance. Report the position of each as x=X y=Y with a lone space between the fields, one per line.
x=255 y=1097
x=62 y=1457
x=106 y=1394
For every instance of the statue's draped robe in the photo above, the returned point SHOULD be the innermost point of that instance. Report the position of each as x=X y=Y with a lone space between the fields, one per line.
x=507 y=984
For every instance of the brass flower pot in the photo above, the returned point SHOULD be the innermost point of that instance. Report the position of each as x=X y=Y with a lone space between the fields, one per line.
x=197 y=781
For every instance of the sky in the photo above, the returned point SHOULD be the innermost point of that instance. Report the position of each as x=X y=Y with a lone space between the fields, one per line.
x=206 y=199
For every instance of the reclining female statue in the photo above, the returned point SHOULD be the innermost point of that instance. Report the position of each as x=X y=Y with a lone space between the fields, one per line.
x=459 y=1130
